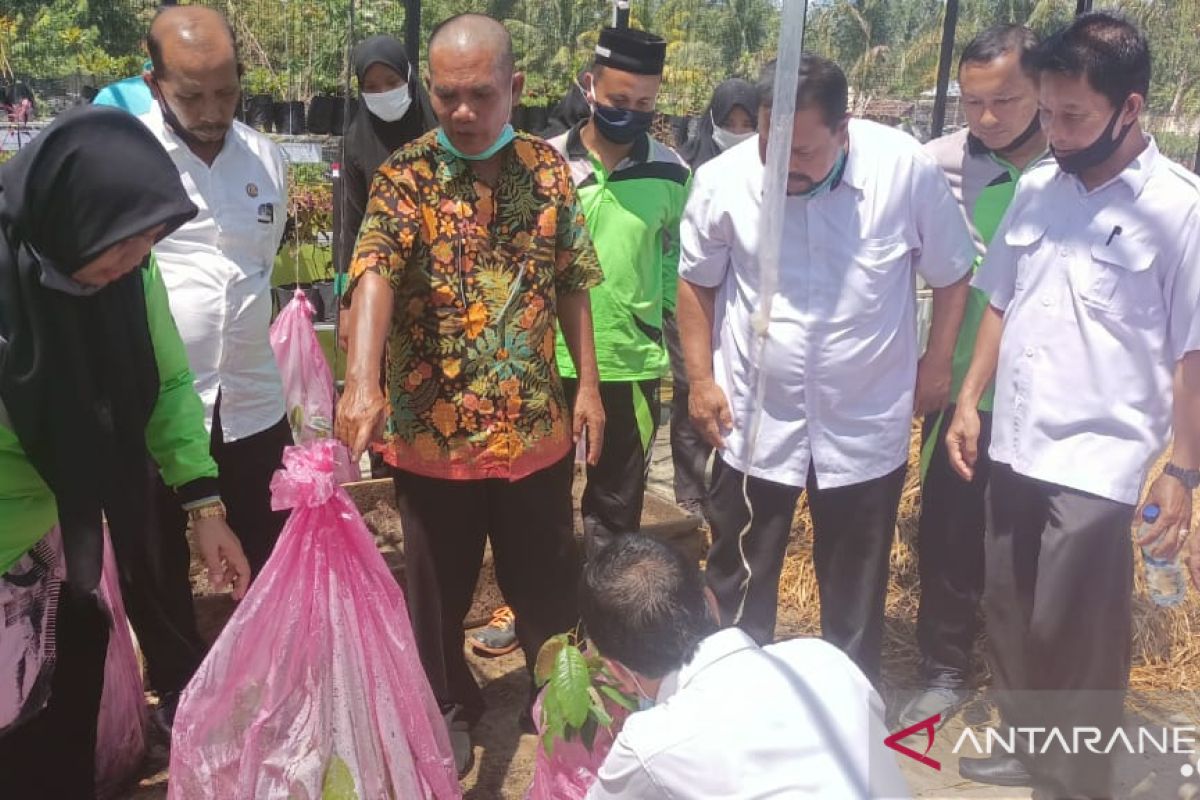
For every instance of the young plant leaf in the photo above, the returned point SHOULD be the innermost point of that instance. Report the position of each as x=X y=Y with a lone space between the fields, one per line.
x=618 y=697
x=571 y=683
x=543 y=667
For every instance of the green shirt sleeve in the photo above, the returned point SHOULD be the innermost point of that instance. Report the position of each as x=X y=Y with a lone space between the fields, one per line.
x=175 y=435
x=670 y=262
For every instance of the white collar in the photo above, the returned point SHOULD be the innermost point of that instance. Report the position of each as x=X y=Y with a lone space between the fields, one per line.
x=714 y=648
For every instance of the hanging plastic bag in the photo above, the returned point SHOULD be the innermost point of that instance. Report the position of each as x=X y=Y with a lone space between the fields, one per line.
x=570 y=770
x=314 y=689
x=121 y=729
x=308 y=390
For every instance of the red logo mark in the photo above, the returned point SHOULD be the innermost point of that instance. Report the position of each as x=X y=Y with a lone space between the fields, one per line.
x=927 y=725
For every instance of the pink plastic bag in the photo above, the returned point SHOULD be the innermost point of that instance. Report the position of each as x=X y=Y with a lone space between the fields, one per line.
x=569 y=773
x=308 y=390
x=314 y=689
x=121 y=729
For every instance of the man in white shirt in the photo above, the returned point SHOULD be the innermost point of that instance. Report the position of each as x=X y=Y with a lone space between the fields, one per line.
x=217 y=269
x=723 y=718
x=1092 y=333
x=866 y=212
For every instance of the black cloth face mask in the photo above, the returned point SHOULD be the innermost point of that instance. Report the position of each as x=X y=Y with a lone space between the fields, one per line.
x=1097 y=152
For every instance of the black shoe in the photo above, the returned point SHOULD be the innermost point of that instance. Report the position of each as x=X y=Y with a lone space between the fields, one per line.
x=164 y=715
x=933 y=701
x=998 y=770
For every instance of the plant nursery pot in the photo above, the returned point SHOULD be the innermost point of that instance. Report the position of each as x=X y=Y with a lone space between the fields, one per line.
x=260 y=112
x=289 y=117
x=320 y=114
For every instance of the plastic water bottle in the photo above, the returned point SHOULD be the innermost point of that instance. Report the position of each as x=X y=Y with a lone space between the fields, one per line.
x=1165 y=578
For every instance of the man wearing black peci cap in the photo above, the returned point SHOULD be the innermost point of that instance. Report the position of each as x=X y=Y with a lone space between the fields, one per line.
x=633 y=190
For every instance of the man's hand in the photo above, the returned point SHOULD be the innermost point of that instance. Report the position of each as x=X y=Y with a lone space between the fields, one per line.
x=361 y=415
x=962 y=440
x=709 y=410
x=589 y=417
x=933 y=385
x=344 y=323
x=222 y=554
x=1193 y=559
x=1168 y=533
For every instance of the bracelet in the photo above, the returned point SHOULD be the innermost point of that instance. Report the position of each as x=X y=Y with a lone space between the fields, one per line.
x=214 y=510
x=1190 y=478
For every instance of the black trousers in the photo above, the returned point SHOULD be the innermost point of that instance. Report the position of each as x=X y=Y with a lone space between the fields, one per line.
x=853 y=528
x=446 y=523
x=950 y=551
x=689 y=452
x=53 y=755
x=158 y=597
x=1058 y=608
x=616 y=487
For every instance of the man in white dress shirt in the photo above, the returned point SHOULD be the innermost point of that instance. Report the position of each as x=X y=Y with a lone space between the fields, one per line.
x=867 y=211
x=1092 y=333
x=723 y=717
x=217 y=269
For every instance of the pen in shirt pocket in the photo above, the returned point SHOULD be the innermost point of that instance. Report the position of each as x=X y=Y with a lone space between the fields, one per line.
x=1116 y=231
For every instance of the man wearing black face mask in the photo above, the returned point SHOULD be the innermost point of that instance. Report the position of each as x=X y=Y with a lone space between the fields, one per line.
x=217 y=269
x=633 y=190
x=1093 y=335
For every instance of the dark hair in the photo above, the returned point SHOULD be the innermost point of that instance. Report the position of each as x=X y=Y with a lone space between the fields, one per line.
x=643 y=605
x=154 y=46
x=507 y=60
x=822 y=84
x=1000 y=40
x=1107 y=49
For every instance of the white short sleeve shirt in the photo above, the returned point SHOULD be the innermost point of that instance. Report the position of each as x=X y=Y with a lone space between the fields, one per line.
x=217 y=270
x=796 y=719
x=842 y=351
x=1100 y=292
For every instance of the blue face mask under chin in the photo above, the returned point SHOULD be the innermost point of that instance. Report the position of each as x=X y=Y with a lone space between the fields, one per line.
x=507 y=134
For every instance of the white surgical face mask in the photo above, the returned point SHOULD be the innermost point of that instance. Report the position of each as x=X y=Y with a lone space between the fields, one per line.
x=726 y=139
x=389 y=106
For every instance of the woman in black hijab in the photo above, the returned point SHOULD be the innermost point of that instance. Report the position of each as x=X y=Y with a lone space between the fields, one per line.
x=393 y=111
x=93 y=381
x=569 y=112
x=730 y=118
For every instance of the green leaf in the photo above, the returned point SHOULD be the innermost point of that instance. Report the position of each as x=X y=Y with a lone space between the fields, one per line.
x=543 y=668
x=571 y=682
x=548 y=742
x=618 y=697
x=339 y=783
x=598 y=710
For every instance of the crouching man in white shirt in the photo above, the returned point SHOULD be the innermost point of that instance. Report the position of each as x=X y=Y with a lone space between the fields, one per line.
x=1093 y=334
x=723 y=717
x=867 y=211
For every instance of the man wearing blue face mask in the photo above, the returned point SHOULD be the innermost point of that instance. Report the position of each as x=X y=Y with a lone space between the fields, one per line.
x=867 y=211
x=633 y=190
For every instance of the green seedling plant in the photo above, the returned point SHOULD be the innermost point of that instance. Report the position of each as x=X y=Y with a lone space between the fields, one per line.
x=575 y=685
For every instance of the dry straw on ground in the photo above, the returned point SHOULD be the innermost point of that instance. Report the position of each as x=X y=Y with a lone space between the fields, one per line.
x=1166 y=653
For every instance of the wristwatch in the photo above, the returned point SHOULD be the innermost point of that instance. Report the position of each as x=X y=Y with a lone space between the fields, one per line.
x=215 y=509
x=1188 y=477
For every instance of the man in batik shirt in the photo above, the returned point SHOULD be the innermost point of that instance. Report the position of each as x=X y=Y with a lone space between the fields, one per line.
x=472 y=249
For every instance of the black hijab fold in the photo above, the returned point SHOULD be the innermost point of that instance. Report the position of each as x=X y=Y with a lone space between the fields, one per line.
x=78 y=377
x=572 y=109
x=369 y=140
x=733 y=92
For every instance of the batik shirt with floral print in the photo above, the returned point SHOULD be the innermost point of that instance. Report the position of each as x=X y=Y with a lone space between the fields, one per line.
x=477 y=272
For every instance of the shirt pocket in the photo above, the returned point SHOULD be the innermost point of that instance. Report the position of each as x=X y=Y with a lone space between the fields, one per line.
x=1117 y=280
x=1024 y=239
x=880 y=254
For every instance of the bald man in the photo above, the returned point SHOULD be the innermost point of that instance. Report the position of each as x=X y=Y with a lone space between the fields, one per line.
x=217 y=269
x=472 y=253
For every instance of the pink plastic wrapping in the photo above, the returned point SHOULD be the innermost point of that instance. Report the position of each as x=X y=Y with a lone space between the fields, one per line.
x=571 y=770
x=314 y=689
x=121 y=729
x=308 y=390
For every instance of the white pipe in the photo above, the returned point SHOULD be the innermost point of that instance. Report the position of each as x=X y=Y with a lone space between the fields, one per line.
x=770 y=238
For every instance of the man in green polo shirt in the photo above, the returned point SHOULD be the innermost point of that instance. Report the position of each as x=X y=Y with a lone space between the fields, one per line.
x=633 y=190
x=983 y=163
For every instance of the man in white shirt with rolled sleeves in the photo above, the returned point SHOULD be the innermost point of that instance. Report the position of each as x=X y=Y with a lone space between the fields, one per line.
x=867 y=212
x=217 y=268
x=1093 y=335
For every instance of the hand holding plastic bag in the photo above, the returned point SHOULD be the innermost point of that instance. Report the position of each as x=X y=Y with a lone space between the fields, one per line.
x=314 y=689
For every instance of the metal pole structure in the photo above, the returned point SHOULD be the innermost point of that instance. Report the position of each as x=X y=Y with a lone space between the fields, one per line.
x=620 y=13
x=1082 y=6
x=412 y=30
x=938 y=124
